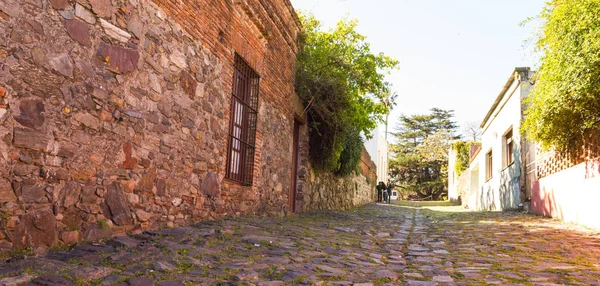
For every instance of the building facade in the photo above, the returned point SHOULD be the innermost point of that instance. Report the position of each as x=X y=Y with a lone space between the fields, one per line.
x=498 y=173
x=378 y=148
x=120 y=116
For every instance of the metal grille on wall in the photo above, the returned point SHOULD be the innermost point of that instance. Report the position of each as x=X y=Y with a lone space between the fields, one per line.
x=242 y=127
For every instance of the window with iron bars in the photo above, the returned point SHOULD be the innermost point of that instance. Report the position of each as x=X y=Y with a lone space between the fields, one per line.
x=242 y=127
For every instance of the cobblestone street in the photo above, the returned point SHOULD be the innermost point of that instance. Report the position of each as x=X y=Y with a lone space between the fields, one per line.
x=377 y=244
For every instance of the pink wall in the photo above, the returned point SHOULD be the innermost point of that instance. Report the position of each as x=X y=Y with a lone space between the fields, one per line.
x=572 y=195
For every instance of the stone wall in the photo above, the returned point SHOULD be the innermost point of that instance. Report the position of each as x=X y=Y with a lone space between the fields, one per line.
x=325 y=191
x=114 y=114
x=318 y=190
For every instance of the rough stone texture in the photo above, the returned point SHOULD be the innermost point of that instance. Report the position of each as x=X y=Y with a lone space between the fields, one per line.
x=422 y=245
x=31 y=113
x=30 y=139
x=118 y=59
x=62 y=64
x=79 y=31
x=210 y=185
x=102 y=7
x=87 y=138
x=6 y=192
x=320 y=191
x=59 y=4
x=114 y=32
x=117 y=203
x=35 y=228
x=84 y=14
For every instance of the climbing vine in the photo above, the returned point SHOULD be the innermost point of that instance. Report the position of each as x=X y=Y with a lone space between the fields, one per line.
x=462 y=149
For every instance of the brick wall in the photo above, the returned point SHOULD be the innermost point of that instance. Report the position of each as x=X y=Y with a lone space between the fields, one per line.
x=114 y=115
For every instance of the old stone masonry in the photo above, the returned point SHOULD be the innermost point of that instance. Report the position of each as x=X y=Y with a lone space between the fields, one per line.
x=118 y=116
x=378 y=244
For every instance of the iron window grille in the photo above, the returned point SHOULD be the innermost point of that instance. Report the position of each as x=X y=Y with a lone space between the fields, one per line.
x=242 y=127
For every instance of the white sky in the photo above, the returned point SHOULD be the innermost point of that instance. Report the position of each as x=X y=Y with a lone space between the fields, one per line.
x=454 y=54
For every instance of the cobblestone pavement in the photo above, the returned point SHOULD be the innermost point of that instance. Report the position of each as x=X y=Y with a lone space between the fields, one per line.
x=376 y=244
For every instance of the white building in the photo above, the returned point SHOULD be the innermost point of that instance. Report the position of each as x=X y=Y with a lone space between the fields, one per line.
x=378 y=150
x=497 y=172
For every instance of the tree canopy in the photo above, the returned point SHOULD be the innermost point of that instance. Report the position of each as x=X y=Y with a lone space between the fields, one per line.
x=564 y=110
x=420 y=158
x=342 y=84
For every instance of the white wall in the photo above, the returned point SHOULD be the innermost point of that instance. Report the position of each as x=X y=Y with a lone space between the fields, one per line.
x=378 y=150
x=502 y=191
x=452 y=176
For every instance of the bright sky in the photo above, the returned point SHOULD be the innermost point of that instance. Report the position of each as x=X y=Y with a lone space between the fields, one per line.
x=454 y=54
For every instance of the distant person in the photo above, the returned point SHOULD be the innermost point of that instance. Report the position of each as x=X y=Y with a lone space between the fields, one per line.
x=379 y=191
x=386 y=195
x=389 y=189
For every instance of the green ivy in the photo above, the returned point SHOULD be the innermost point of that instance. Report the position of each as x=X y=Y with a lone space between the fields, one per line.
x=462 y=149
x=350 y=156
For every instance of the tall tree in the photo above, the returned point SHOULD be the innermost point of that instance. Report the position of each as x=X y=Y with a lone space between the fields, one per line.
x=564 y=109
x=342 y=84
x=420 y=158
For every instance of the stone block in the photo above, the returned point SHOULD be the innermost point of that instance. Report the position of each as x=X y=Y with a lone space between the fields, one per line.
x=118 y=59
x=25 y=170
x=114 y=32
x=62 y=64
x=211 y=185
x=130 y=162
x=69 y=237
x=88 y=120
x=35 y=228
x=146 y=183
x=79 y=31
x=30 y=139
x=32 y=113
x=117 y=203
x=6 y=192
x=69 y=194
x=59 y=4
x=84 y=14
x=142 y=215
x=102 y=8
x=136 y=26
x=30 y=191
x=188 y=84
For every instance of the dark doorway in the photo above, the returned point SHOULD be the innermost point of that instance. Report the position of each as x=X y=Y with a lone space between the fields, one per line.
x=293 y=189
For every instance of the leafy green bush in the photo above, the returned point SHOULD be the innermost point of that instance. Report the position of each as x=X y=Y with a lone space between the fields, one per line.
x=564 y=110
x=350 y=156
x=342 y=85
x=462 y=149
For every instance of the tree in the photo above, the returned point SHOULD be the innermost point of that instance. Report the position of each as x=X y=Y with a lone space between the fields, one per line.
x=420 y=158
x=471 y=131
x=343 y=88
x=564 y=107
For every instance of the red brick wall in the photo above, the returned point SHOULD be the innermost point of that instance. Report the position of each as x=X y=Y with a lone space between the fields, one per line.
x=368 y=167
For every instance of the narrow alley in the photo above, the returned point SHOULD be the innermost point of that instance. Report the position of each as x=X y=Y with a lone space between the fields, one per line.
x=377 y=244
